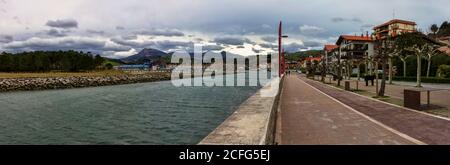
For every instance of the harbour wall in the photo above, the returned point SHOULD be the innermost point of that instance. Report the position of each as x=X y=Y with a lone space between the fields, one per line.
x=253 y=123
x=25 y=84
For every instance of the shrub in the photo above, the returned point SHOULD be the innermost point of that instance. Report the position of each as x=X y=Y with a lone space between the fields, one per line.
x=303 y=70
x=424 y=79
x=109 y=66
x=444 y=71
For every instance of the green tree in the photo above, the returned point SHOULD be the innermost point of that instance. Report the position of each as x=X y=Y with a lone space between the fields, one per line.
x=416 y=43
x=444 y=30
x=430 y=51
x=403 y=56
x=109 y=66
x=39 y=61
x=383 y=51
x=98 y=60
x=434 y=28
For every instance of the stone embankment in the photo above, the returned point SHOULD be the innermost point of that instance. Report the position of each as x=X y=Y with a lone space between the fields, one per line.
x=22 y=84
x=253 y=123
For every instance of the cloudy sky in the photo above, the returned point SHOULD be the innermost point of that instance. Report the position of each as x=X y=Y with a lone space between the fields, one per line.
x=118 y=28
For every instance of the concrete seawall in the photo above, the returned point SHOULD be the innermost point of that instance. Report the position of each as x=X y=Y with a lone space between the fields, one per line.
x=253 y=123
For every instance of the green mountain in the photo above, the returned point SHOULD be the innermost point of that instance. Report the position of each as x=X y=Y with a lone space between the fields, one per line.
x=303 y=54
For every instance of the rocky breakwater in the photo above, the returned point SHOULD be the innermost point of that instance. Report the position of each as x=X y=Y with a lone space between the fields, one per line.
x=18 y=84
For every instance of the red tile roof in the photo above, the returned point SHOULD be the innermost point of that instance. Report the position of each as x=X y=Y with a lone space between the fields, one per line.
x=353 y=38
x=313 y=58
x=445 y=49
x=395 y=21
x=330 y=47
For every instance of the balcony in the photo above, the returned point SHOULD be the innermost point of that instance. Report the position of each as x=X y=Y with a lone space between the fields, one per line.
x=356 y=48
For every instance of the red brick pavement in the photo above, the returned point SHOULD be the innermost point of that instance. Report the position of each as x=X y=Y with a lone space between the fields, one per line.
x=308 y=116
x=426 y=128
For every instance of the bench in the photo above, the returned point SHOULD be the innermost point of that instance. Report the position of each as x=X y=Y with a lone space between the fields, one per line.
x=329 y=78
x=411 y=97
x=347 y=84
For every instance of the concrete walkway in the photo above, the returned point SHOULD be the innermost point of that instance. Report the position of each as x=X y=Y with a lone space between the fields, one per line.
x=426 y=128
x=308 y=116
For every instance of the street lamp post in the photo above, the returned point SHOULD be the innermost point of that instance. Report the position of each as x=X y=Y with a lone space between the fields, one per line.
x=281 y=59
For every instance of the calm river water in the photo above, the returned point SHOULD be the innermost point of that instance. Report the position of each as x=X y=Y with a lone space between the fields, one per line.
x=146 y=113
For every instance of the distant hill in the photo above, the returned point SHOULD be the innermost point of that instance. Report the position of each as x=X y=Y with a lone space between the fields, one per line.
x=114 y=62
x=145 y=54
x=160 y=57
x=303 y=54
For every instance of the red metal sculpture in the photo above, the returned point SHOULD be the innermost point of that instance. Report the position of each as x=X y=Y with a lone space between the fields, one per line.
x=280 y=52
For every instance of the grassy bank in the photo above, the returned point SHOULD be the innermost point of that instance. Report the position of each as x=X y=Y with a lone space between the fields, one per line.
x=62 y=74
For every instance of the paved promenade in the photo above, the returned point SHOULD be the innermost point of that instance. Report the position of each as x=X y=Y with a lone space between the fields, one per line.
x=420 y=126
x=439 y=98
x=308 y=116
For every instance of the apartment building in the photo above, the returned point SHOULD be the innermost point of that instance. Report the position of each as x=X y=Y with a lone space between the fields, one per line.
x=355 y=47
x=394 y=28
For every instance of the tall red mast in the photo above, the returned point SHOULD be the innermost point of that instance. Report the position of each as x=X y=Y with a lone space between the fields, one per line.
x=280 y=51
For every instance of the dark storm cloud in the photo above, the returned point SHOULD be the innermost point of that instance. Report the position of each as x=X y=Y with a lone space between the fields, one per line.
x=129 y=37
x=341 y=19
x=115 y=48
x=96 y=32
x=212 y=47
x=267 y=45
x=294 y=47
x=367 y=27
x=56 y=33
x=17 y=20
x=130 y=43
x=6 y=38
x=164 y=45
x=168 y=45
x=52 y=44
x=269 y=38
x=337 y=19
x=161 y=32
x=64 y=24
x=65 y=43
x=120 y=28
x=311 y=30
x=209 y=19
x=312 y=44
x=356 y=20
x=232 y=40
